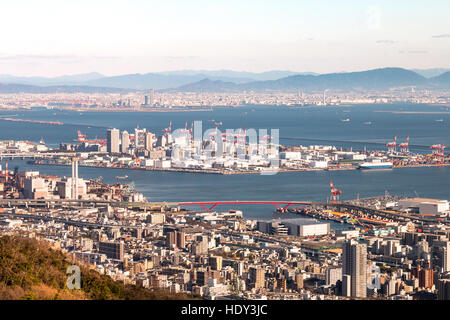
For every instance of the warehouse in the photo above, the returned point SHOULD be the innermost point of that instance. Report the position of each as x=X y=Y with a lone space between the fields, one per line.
x=424 y=206
x=300 y=227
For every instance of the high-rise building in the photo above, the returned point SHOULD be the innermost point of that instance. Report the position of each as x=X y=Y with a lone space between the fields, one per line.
x=145 y=100
x=171 y=239
x=441 y=253
x=425 y=276
x=113 y=140
x=139 y=138
x=257 y=277
x=444 y=289
x=181 y=239
x=152 y=97
x=125 y=142
x=354 y=259
x=149 y=141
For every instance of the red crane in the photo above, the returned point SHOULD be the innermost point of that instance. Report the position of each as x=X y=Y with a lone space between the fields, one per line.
x=392 y=146
x=404 y=147
x=439 y=152
x=169 y=129
x=334 y=192
x=81 y=137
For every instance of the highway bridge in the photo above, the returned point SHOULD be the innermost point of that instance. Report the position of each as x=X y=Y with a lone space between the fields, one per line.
x=281 y=205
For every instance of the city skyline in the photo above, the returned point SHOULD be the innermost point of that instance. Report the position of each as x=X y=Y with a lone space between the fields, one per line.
x=140 y=37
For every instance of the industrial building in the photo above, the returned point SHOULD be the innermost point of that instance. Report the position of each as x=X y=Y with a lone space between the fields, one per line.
x=424 y=206
x=300 y=227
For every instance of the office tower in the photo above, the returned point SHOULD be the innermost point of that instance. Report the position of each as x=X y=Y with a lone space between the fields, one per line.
x=74 y=186
x=181 y=239
x=444 y=289
x=113 y=250
x=145 y=100
x=171 y=239
x=354 y=259
x=332 y=275
x=152 y=97
x=139 y=138
x=425 y=277
x=257 y=277
x=149 y=141
x=125 y=142
x=113 y=140
x=441 y=252
x=215 y=263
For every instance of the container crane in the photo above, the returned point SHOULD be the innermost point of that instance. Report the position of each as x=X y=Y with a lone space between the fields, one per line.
x=169 y=129
x=404 y=147
x=334 y=192
x=392 y=146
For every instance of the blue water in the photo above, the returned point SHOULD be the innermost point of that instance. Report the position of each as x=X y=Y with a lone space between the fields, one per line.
x=319 y=125
x=306 y=125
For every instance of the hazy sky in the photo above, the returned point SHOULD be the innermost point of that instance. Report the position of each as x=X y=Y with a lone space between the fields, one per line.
x=112 y=37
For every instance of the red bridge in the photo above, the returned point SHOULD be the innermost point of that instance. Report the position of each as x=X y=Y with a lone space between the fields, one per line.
x=209 y=205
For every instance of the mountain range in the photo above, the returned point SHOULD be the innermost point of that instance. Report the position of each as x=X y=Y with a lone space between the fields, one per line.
x=229 y=81
x=377 y=79
x=157 y=81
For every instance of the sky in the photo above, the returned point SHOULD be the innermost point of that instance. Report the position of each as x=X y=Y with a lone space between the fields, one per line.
x=53 y=37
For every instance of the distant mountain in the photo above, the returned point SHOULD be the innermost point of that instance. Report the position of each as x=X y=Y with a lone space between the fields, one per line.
x=443 y=79
x=26 y=88
x=171 y=79
x=232 y=76
x=208 y=85
x=365 y=80
x=430 y=73
x=227 y=81
x=157 y=81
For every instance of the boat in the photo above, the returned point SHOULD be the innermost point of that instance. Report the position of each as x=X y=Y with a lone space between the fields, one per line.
x=439 y=120
x=121 y=177
x=376 y=165
x=345 y=120
x=368 y=122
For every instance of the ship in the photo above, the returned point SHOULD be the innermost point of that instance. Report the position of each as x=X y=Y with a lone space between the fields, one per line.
x=376 y=164
x=345 y=120
x=121 y=177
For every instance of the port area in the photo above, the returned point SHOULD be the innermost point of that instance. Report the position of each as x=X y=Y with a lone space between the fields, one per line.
x=237 y=157
x=221 y=171
x=372 y=215
x=189 y=170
